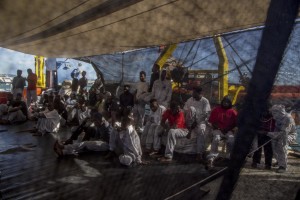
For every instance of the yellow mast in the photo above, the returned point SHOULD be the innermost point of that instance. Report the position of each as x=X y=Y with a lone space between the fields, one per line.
x=165 y=54
x=223 y=67
x=39 y=70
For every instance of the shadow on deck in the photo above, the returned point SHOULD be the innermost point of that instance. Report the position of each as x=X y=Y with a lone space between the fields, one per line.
x=31 y=170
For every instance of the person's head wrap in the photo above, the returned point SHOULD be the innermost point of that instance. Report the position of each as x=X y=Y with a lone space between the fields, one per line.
x=278 y=111
x=226 y=100
x=125 y=160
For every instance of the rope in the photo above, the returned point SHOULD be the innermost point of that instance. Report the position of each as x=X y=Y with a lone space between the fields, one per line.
x=204 y=181
x=237 y=54
x=195 y=53
x=189 y=52
x=213 y=176
x=212 y=53
x=259 y=147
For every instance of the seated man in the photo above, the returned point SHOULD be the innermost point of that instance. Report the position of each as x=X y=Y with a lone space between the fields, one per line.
x=92 y=96
x=152 y=124
x=4 y=108
x=70 y=103
x=43 y=102
x=176 y=128
x=125 y=142
x=96 y=138
x=197 y=109
x=88 y=126
x=60 y=107
x=65 y=89
x=223 y=119
x=16 y=111
x=48 y=121
x=284 y=134
x=100 y=103
x=79 y=112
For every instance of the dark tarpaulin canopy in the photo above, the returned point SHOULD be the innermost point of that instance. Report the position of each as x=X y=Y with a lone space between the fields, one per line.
x=76 y=28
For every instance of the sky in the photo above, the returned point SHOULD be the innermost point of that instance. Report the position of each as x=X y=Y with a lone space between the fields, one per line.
x=11 y=61
x=200 y=54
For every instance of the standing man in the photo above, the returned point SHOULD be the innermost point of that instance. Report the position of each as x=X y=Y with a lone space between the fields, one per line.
x=154 y=76
x=126 y=101
x=31 y=88
x=162 y=90
x=75 y=84
x=197 y=109
x=139 y=103
x=82 y=83
x=267 y=124
x=18 y=83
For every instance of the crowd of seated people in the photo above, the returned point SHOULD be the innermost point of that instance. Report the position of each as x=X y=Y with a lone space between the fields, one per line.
x=118 y=126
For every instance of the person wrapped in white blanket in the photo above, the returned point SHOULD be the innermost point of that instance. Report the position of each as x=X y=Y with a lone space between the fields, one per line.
x=125 y=142
x=152 y=124
x=48 y=121
x=284 y=134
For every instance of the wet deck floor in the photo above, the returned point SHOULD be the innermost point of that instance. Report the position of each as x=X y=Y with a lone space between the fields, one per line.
x=30 y=170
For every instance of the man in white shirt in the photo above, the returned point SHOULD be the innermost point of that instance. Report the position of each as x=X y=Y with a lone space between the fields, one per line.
x=152 y=124
x=197 y=109
x=162 y=90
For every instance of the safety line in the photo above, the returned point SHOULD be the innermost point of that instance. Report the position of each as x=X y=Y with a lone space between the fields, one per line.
x=211 y=177
x=259 y=147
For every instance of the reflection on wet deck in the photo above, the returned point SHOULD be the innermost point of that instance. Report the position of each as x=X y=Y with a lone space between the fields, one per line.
x=30 y=170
